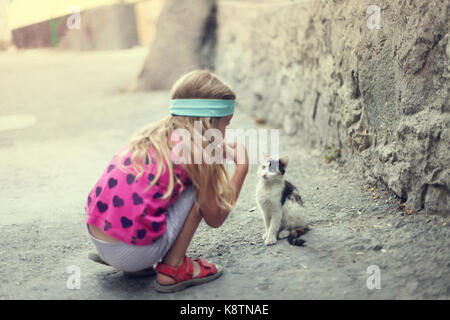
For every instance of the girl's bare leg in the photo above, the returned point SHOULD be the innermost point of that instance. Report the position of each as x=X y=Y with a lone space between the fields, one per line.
x=175 y=255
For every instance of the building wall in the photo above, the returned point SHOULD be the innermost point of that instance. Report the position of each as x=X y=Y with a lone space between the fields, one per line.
x=24 y=13
x=113 y=25
x=147 y=14
x=5 y=32
x=315 y=69
x=109 y=27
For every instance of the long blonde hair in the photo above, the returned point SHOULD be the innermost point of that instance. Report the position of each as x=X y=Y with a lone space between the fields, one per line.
x=199 y=84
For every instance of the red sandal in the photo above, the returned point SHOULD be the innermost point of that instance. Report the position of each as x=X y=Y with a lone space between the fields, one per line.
x=183 y=275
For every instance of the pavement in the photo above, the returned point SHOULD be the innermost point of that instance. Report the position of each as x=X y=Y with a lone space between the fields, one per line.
x=62 y=117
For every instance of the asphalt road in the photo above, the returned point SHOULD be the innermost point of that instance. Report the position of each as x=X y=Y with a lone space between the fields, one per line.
x=70 y=115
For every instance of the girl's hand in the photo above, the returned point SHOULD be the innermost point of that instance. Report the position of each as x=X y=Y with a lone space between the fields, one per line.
x=237 y=152
x=214 y=216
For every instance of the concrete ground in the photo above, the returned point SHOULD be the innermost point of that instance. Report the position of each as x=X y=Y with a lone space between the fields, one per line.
x=71 y=115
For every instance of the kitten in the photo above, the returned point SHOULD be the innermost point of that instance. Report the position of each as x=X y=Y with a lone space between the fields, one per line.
x=279 y=203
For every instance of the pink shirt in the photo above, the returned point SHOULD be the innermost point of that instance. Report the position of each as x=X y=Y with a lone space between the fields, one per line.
x=123 y=210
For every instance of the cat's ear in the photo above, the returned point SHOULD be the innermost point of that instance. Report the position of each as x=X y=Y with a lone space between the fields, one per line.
x=265 y=157
x=284 y=160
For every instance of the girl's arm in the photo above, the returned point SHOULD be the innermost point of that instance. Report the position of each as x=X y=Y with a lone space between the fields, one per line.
x=214 y=215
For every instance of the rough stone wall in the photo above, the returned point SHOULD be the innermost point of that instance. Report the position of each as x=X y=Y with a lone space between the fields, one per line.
x=315 y=69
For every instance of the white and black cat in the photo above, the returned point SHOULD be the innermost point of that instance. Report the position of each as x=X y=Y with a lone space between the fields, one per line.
x=279 y=203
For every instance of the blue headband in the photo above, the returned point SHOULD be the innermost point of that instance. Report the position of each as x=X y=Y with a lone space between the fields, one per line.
x=201 y=107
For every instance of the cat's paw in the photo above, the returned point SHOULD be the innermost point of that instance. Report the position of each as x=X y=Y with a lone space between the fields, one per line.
x=270 y=241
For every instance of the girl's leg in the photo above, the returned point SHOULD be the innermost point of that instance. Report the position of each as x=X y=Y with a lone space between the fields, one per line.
x=175 y=255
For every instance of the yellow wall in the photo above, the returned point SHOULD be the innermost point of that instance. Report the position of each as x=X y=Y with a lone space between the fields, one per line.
x=26 y=12
x=5 y=34
x=147 y=13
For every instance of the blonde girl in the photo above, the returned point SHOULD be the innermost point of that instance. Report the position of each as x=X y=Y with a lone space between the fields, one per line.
x=146 y=206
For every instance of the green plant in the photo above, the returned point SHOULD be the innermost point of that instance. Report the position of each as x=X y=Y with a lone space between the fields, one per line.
x=332 y=153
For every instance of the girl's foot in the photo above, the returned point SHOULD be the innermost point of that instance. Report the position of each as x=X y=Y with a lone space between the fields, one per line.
x=191 y=272
x=166 y=280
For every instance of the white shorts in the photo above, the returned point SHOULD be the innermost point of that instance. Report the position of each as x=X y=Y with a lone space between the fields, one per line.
x=130 y=258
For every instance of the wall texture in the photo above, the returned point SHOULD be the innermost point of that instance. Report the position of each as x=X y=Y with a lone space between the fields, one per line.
x=147 y=14
x=108 y=27
x=5 y=32
x=315 y=69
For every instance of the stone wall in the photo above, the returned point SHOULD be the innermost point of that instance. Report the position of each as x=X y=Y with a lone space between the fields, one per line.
x=315 y=69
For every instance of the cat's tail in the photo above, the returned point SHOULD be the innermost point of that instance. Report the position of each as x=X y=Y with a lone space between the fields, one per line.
x=291 y=191
x=297 y=198
x=295 y=240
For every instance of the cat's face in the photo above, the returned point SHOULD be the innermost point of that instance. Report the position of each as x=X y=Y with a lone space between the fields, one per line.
x=273 y=169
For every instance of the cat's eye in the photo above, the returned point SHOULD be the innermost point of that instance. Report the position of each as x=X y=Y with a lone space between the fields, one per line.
x=263 y=167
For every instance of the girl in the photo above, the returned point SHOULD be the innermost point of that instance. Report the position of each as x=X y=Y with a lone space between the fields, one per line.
x=146 y=206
